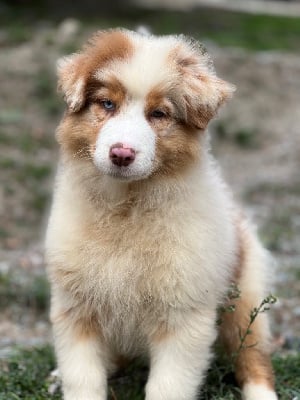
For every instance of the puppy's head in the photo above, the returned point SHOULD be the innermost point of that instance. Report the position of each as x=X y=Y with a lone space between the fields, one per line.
x=137 y=104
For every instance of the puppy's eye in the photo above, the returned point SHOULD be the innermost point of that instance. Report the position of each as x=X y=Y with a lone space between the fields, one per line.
x=158 y=114
x=108 y=105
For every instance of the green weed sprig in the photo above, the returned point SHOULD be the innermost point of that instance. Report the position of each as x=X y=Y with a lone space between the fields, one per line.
x=232 y=294
x=263 y=307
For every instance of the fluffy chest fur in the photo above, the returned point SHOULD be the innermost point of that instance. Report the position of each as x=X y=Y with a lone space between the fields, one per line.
x=128 y=255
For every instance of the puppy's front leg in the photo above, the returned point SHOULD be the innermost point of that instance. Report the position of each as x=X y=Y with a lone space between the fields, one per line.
x=81 y=361
x=180 y=357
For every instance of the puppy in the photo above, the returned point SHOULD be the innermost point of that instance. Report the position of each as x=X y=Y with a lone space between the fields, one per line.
x=144 y=239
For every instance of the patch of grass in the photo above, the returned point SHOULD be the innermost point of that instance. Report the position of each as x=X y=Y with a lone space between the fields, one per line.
x=33 y=294
x=18 y=33
x=40 y=200
x=245 y=138
x=43 y=84
x=25 y=376
x=253 y=32
x=277 y=231
x=287 y=370
x=130 y=383
x=221 y=130
x=7 y=163
x=70 y=47
x=296 y=272
x=3 y=235
x=282 y=227
x=27 y=142
x=226 y=28
x=274 y=189
x=10 y=116
x=34 y=176
x=35 y=172
x=45 y=92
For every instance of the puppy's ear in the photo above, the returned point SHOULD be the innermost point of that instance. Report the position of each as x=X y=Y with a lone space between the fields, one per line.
x=71 y=83
x=203 y=92
x=209 y=94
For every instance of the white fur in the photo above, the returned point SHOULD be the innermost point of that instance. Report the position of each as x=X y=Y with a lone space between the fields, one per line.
x=83 y=372
x=253 y=391
x=176 y=367
x=132 y=129
x=145 y=70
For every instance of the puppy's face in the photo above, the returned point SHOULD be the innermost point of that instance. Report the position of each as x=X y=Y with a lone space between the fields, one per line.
x=136 y=104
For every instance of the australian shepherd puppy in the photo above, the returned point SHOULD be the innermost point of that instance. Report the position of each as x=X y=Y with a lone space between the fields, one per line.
x=144 y=239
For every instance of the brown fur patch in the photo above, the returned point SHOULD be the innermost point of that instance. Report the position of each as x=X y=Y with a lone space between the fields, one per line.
x=177 y=145
x=241 y=246
x=84 y=323
x=87 y=327
x=253 y=362
x=159 y=99
x=78 y=132
x=176 y=151
x=101 y=49
x=106 y=46
x=111 y=89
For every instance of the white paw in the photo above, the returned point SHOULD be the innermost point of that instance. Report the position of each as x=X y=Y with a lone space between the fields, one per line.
x=254 y=391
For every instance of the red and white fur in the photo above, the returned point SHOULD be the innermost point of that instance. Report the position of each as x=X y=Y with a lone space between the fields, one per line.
x=144 y=239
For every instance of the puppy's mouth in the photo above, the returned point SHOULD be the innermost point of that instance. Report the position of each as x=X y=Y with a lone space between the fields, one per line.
x=124 y=173
x=132 y=172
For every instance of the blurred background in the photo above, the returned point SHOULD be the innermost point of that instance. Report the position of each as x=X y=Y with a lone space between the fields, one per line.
x=254 y=44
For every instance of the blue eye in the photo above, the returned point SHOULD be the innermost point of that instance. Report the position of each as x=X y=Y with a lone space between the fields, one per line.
x=108 y=105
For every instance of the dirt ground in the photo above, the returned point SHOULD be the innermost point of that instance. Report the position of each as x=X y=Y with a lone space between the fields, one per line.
x=256 y=140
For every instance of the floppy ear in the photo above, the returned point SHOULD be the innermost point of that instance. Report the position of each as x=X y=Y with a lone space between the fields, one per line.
x=71 y=83
x=208 y=95
x=203 y=92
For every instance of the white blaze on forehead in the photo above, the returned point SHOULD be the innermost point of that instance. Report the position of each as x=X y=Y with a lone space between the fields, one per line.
x=130 y=128
x=146 y=68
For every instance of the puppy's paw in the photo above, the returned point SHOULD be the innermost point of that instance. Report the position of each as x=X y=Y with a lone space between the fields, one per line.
x=254 y=391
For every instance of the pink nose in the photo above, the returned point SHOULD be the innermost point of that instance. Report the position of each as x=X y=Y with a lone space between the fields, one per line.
x=121 y=155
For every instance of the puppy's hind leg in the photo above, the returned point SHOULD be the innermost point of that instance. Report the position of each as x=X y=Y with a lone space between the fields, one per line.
x=248 y=345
